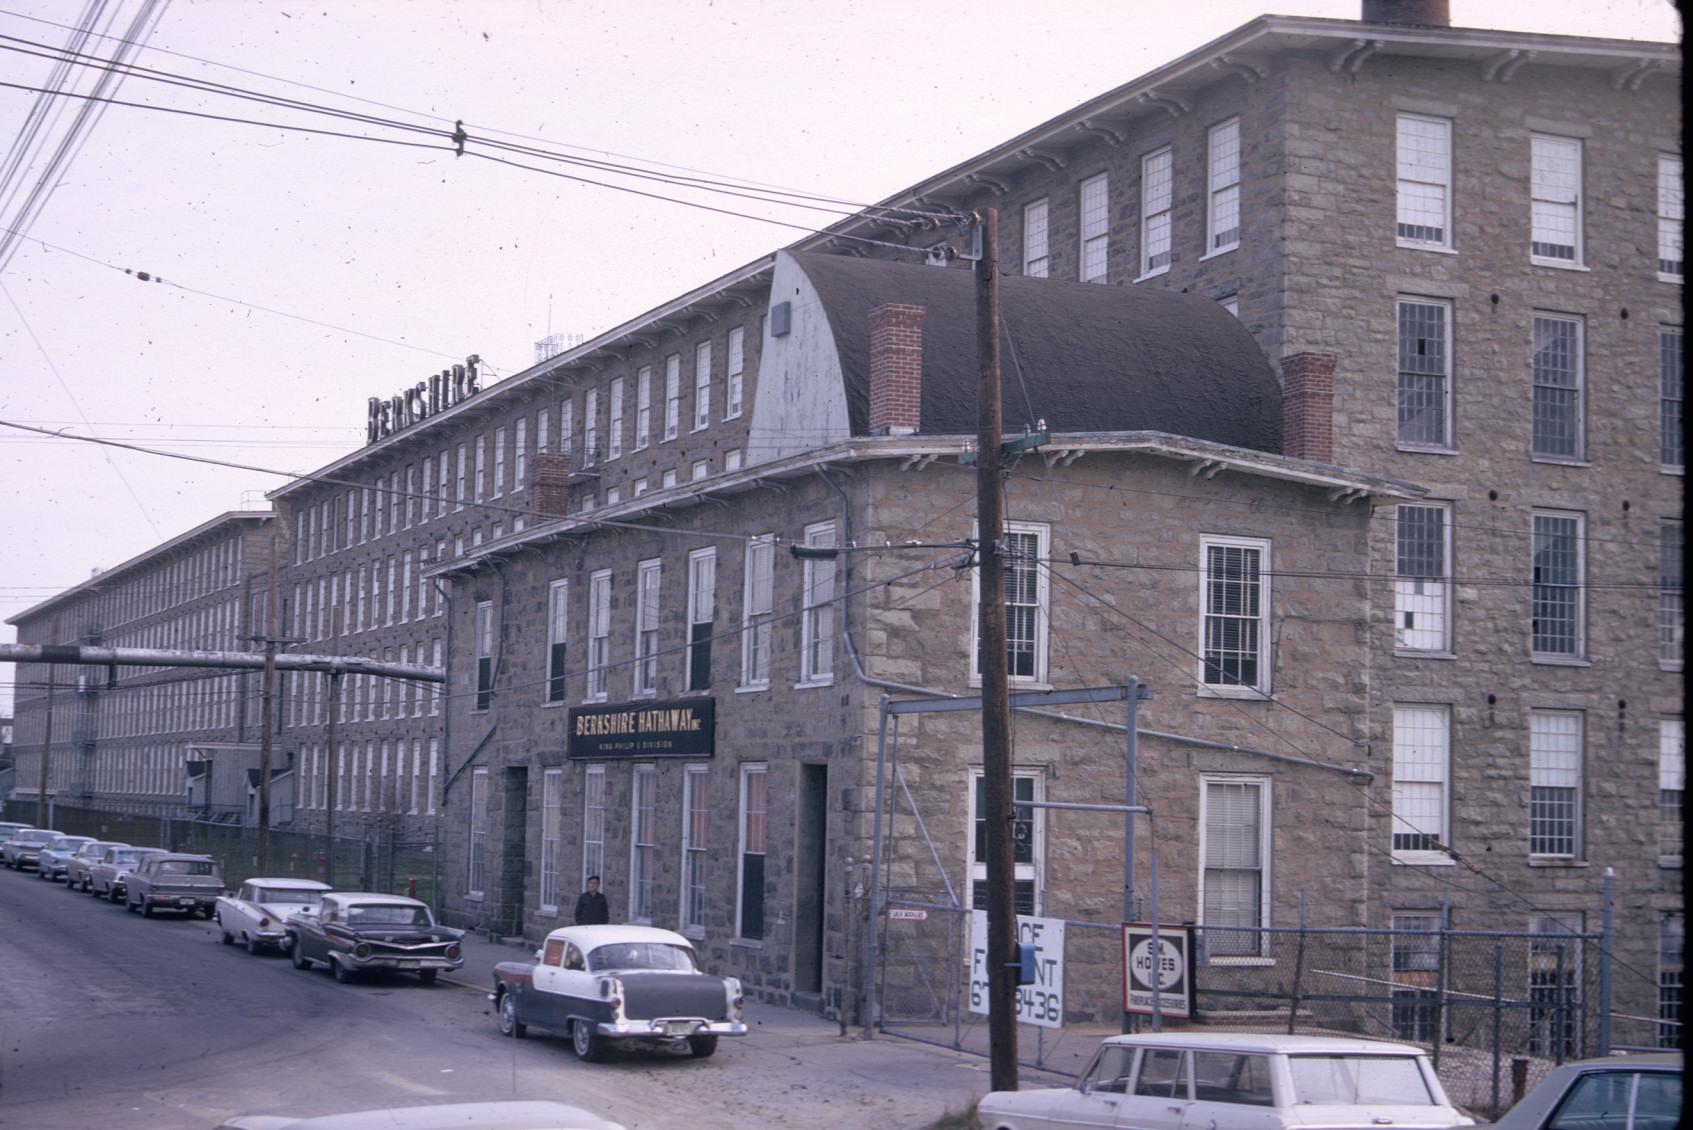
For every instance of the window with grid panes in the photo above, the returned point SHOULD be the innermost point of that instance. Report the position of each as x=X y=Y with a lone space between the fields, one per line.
x=643 y=406
x=593 y=823
x=643 y=842
x=1026 y=594
x=1672 y=941
x=566 y=425
x=520 y=454
x=614 y=421
x=1558 y=364
x=735 y=387
x=552 y=812
x=1425 y=181
x=1425 y=372
x=1223 y=187
x=702 y=385
x=591 y=428
x=1672 y=784
x=1554 y=777
x=1556 y=200
x=702 y=612
x=696 y=842
x=672 y=395
x=749 y=902
x=440 y=486
x=1422 y=589
x=1671 y=358
x=1671 y=204
x=1416 y=965
x=1034 y=240
x=1157 y=178
x=647 y=581
x=1028 y=829
x=1671 y=611
x=478 y=853
x=599 y=633
x=817 y=625
x=1236 y=614
x=1232 y=880
x=1422 y=740
x=1554 y=984
x=459 y=497
x=756 y=611
x=558 y=623
x=1095 y=227
x=1557 y=585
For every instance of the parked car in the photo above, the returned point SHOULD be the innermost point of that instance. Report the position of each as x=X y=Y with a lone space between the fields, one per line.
x=107 y=877
x=55 y=858
x=509 y=1114
x=174 y=881
x=81 y=863
x=1630 y=1092
x=1190 y=1079
x=257 y=914
x=10 y=828
x=352 y=931
x=24 y=848
x=599 y=984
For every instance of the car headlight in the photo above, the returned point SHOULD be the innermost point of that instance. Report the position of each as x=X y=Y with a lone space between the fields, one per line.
x=361 y=951
x=454 y=952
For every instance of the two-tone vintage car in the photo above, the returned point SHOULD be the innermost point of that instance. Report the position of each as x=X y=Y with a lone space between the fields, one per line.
x=355 y=931
x=600 y=984
x=81 y=864
x=257 y=914
x=55 y=858
x=107 y=877
x=24 y=848
x=172 y=880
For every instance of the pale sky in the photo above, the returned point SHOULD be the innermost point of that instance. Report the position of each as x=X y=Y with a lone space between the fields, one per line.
x=305 y=273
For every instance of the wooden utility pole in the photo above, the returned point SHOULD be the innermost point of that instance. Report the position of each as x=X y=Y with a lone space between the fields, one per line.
x=996 y=700
x=47 y=735
x=330 y=800
x=266 y=719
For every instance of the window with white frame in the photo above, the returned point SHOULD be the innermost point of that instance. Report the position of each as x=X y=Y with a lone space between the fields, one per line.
x=672 y=395
x=702 y=614
x=1234 y=877
x=1035 y=260
x=1028 y=842
x=1416 y=971
x=459 y=498
x=566 y=425
x=1554 y=778
x=1554 y=982
x=1422 y=584
x=817 y=623
x=1222 y=213
x=696 y=842
x=643 y=406
x=1556 y=201
x=479 y=487
x=1672 y=939
x=614 y=423
x=702 y=385
x=1422 y=757
x=499 y=462
x=520 y=453
x=701 y=469
x=1425 y=372
x=591 y=428
x=599 y=633
x=667 y=479
x=735 y=386
x=1095 y=205
x=1157 y=179
x=756 y=609
x=1672 y=785
x=749 y=880
x=1672 y=346
x=558 y=636
x=732 y=459
x=1672 y=622
x=643 y=842
x=484 y=656
x=1425 y=181
x=543 y=436
x=1558 y=386
x=443 y=464
x=1027 y=544
x=478 y=878
x=1671 y=205
x=1235 y=630
x=647 y=579
x=1559 y=597
x=593 y=823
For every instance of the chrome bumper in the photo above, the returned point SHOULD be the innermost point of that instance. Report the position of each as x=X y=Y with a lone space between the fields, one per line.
x=670 y=1027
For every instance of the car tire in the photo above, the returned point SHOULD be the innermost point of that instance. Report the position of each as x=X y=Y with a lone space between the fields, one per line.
x=146 y=909
x=427 y=976
x=207 y=912
x=253 y=946
x=703 y=1047
x=343 y=975
x=226 y=937
x=296 y=958
x=509 y=1024
x=585 y=1042
x=112 y=894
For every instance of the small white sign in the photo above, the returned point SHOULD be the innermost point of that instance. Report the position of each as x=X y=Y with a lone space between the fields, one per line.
x=907 y=914
x=1041 y=1003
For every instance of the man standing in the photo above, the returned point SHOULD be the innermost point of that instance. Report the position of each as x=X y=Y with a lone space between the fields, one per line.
x=591 y=908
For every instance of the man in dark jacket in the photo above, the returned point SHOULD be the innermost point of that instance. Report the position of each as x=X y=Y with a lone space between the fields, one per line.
x=591 y=908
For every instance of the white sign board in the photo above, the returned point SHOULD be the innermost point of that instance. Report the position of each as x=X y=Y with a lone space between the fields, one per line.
x=1163 y=973
x=1041 y=1003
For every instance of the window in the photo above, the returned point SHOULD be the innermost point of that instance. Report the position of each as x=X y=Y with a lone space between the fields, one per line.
x=672 y=395
x=542 y=420
x=499 y=462
x=599 y=633
x=647 y=580
x=702 y=385
x=591 y=428
x=1028 y=842
x=696 y=841
x=1559 y=612
x=817 y=626
x=701 y=469
x=614 y=425
x=1672 y=940
x=1416 y=971
x=459 y=496
x=1558 y=357
x=1672 y=785
x=732 y=459
x=1156 y=196
x=566 y=425
x=1425 y=182
x=749 y=886
x=593 y=823
x=1554 y=777
x=440 y=487
x=1026 y=604
x=737 y=373
x=1234 y=877
x=642 y=846
x=1556 y=201
x=756 y=612
x=478 y=831
x=1671 y=357
x=667 y=479
x=643 y=406
x=1236 y=616
x=1671 y=618
x=1422 y=743
x=1096 y=227
x=1670 y=209
x=702 y=612
x=1222 y=215
x=520 y=456
x=479 y=485
x=1554 y=984
x=1425 y=373
x=558 y=625
x=1034 y=240
x=1422 y=613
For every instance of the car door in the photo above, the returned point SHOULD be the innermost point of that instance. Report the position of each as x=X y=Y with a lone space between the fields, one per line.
x=1161 y=1093
x=1095 y=1103
x=1231 y=1091
x=543 y=1005
x=574 y=985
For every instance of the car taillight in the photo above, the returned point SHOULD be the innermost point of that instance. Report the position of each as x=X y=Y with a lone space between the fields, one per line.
x=362 y=950
x=453 y=952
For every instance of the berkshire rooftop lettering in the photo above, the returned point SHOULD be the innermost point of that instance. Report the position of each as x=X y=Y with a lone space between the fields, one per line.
x=387 y=415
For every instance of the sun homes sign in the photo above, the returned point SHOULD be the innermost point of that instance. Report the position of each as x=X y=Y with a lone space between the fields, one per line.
x=387 y=415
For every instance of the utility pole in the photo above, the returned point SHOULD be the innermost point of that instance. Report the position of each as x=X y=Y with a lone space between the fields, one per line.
x=996 y=701
x=47 y=736
x=265 y=716
x=334 y=768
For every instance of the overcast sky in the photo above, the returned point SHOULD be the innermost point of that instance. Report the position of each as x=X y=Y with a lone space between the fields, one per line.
x=303 y=273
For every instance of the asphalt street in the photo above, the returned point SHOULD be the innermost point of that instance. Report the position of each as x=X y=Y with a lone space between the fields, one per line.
x=108 y=1019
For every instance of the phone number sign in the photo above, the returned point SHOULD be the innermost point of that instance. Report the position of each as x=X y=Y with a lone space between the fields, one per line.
x=1041 y=1003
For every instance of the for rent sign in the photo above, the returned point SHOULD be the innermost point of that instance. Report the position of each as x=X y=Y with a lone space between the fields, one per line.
x=1041 y=1003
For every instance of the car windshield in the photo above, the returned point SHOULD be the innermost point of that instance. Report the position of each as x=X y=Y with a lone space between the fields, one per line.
x=641 y=955
x=1352 y=1080
x=68 y=843
x=125 y=856
x=292 y=895
x=33 y=837
x=385 y=915
x=188 y=866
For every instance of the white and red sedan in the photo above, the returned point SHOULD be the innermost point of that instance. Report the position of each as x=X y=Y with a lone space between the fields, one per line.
x=257 y=914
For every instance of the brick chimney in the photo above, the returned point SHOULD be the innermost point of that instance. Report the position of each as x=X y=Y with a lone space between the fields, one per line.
x=1308 y=406
x=1416 y=13
x=552 y=484
x=896 y=369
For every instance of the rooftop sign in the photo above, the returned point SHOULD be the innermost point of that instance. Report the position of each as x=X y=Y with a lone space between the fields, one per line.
x=387 y=415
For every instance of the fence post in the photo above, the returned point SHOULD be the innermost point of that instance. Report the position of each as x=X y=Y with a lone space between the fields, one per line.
x=1298 y=967
x=1607 y=938
x=1559 y=1017
x=1498 y=1010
